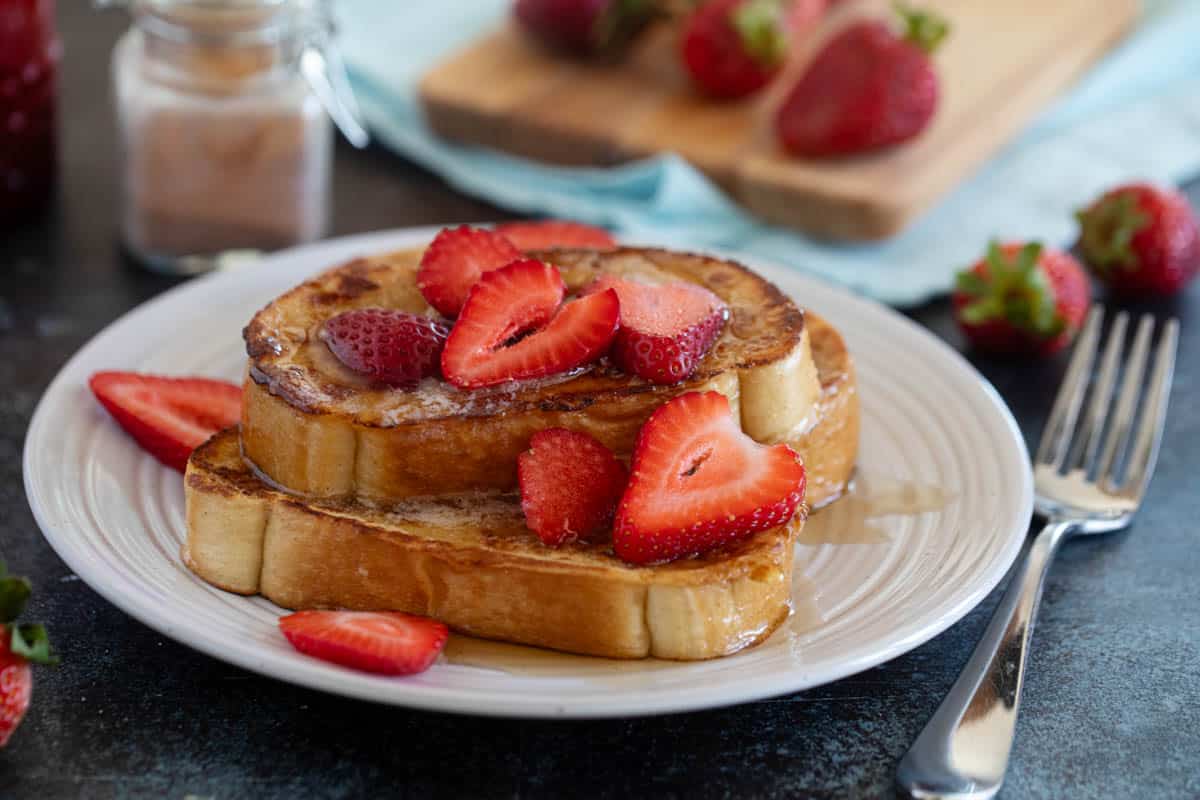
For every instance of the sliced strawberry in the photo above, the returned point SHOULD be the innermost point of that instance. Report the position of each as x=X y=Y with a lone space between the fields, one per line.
x=386 y=642
x=665 y=330
x=550 y=233
x=455 y=259
x=391 y=346
x=698 y=482
x=169 y=417
x=509 y=331
x=570 y=485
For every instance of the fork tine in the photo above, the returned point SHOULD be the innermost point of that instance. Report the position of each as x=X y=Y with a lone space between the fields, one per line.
x=1154 y=414
x=1087 y=443
x=1122 y=424
x=1060 y=426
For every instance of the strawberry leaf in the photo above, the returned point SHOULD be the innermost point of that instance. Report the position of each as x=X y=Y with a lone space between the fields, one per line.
x=923 y=28
x=14 y=592
x=32 y=643
x=759 y=23
x=1107 y=230
x=970 y=284
x=1013 y=289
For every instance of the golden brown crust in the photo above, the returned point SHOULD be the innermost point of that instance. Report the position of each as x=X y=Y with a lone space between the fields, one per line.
x=314 y=428
x=764 y=327
x=470 y=561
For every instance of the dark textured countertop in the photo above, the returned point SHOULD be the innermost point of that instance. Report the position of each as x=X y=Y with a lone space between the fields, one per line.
x=1112 y=702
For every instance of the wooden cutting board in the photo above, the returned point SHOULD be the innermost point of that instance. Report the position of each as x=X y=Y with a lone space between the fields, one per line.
x=1004 y=60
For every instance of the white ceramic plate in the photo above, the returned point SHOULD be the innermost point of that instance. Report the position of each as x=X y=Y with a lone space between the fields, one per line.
x=870 y=585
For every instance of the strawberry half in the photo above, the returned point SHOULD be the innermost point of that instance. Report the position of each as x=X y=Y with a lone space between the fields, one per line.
x=384 y=642
x=453 y=262
x=1021 y=299
x=570 y=485
x=866 y=89
x=1140 y=239
x=551 y=233
x=509 y=329
x=698 y=482
x=391 y=346
x=665 y=330
x=169 y=417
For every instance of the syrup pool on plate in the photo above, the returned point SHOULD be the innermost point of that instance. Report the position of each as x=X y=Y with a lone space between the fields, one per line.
x=857 y=518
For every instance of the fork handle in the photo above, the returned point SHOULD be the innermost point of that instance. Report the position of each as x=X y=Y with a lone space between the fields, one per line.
x=963 y=750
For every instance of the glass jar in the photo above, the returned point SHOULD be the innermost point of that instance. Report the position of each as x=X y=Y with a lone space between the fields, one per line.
x=225 y=143
x=29 y=54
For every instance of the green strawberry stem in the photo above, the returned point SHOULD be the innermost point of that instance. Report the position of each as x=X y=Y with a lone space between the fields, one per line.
x=28 y=641
x=1107 y=230
x=1013 y=290
x=759 y=23
x=926 y=29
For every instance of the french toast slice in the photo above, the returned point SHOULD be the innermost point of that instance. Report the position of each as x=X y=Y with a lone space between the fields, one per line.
x=468 y=559
x=315 y=428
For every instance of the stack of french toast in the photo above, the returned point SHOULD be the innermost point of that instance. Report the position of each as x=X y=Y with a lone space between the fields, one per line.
x=605 y=451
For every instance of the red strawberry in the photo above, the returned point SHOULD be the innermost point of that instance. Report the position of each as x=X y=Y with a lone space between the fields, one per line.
x=866 y=89
x=169 y=417
x=698 y=482
x=455 y=259
x=19 y=645
x=386 y=642
x=732 y=48
x=570 y=485
x=509 y=331
x=585 y=27
x=391 y=346
x=1140 y=239
x=16 y=687
x=551 y=233
x=1021 y=299
x=665 y=330
x=804 y=15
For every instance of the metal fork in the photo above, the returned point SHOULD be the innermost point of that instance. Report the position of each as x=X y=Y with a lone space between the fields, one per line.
x=963 y=750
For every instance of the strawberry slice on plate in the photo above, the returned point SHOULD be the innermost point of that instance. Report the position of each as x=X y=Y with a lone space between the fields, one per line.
x=698 y=482
x=169 y=417
x=570 y=485
x=453 y=262
x=665 y=330
x=384 y=642
x=551 y=233
x=512 y=328
x=393 y=347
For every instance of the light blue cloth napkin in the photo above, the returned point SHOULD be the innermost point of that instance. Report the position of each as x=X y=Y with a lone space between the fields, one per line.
x=1136 y=115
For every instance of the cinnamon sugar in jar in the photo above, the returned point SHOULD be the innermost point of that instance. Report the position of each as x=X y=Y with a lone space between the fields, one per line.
x=226 y=145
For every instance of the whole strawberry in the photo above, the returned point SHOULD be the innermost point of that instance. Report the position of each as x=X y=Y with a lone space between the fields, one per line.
x=1021 y=299
x=19 y=646
x=733 y=48
x=585 y=27
x=1140 y=239
x=866 y=89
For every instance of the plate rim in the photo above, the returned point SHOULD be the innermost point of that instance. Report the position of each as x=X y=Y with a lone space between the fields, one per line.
x=317 y=675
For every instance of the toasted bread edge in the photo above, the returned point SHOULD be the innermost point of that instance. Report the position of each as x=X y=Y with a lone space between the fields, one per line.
x=248 y=538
